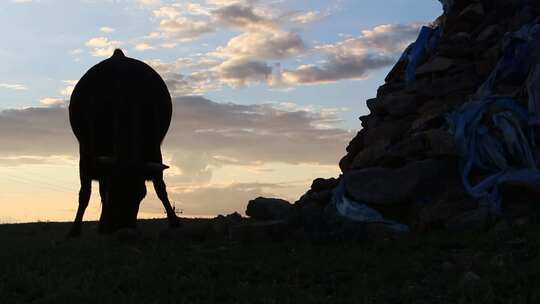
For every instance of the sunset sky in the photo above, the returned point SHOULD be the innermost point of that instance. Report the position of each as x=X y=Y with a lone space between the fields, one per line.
x=266 y=94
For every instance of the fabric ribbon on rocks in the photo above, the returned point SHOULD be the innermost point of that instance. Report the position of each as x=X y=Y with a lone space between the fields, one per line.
x=520 y=63
x=493 y=135
x=447 y=5
x=360 y=212
x=416 y=52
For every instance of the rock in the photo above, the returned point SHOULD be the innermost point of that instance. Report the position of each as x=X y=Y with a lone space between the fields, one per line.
x=457 y=24
x=234 y=217
x=452 y=50
x=404 y=163
x=333 y=226
x=372 y=120
x=450 y=84
x=318 y=199
x=524 y=15
x=345 y=163
x=417 y=179
x=387 y=132
x=357 y=143
x=268 y=209
x=221 y=225
x=388 y=88
x=461 y=38
x=491 y=32
x=321 y=184
x=309 y=218
x=473 y=13
x=436 y=64
x=484 y=67
x=395 y=105
x=369 y=157
x=439 y=142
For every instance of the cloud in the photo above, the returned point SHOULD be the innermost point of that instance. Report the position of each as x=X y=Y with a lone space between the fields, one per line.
x=167 y=12
x=48 y=101
x=391 y=38
x=143 y=47
x=243 y=60
x=98 y=42
x=175 y=26
x=12 y=86
x=240 y=62
x=205 y=140
x=227 y=2
x=255 y=133
x=169 y=45
x=183 y=28
x=241 y=16
x=15 y=161
x=338 y=68
x=76 y=51
x=68 y=89
x=195 y=83
x=240 y=72
x=306 y=17
x=196 y=9
x=149 y=2
x=263 y=44
x=220 y=131
x=102 y=46
x=352 y=58
x=106 y=29
x=42 y=131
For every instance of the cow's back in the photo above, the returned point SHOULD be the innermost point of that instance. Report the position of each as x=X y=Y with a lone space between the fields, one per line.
x=121 y=108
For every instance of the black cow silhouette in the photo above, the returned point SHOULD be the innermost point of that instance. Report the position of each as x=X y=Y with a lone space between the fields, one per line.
x=120 y=112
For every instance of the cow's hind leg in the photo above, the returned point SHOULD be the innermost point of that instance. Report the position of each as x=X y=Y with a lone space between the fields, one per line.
x=84 y=198
x=104 y=220
x=161 y=191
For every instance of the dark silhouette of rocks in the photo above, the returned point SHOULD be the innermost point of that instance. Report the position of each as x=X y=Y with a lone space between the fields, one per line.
x=263 y=208
x=409 y=168
x=120 y=112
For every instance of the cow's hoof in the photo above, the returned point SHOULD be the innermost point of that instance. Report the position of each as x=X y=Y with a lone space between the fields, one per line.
x=175 y=223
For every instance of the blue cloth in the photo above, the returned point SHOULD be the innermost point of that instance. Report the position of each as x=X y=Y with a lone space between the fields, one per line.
x=521 y=52
x=426 y=42
x=533 y=90
x=351 y=209
x=447 y=5
x=493 y=135
x=358 y=211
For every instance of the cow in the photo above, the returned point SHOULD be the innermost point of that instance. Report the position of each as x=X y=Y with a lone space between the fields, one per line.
x=120 y=112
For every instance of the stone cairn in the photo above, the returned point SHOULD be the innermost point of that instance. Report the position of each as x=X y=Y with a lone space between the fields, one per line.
x=405 y=164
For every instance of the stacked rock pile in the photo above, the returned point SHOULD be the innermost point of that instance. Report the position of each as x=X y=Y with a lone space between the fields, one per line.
x=450 y=139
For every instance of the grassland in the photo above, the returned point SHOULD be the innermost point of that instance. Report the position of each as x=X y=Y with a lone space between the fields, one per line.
x=38 y=266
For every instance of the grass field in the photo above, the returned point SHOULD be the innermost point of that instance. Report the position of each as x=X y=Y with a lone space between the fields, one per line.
x=38 y=266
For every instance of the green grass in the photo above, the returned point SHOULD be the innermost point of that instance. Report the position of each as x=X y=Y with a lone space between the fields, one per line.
x=38 y=266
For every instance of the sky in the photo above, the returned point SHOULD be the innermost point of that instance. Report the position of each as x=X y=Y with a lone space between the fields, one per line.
x=266 y=94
